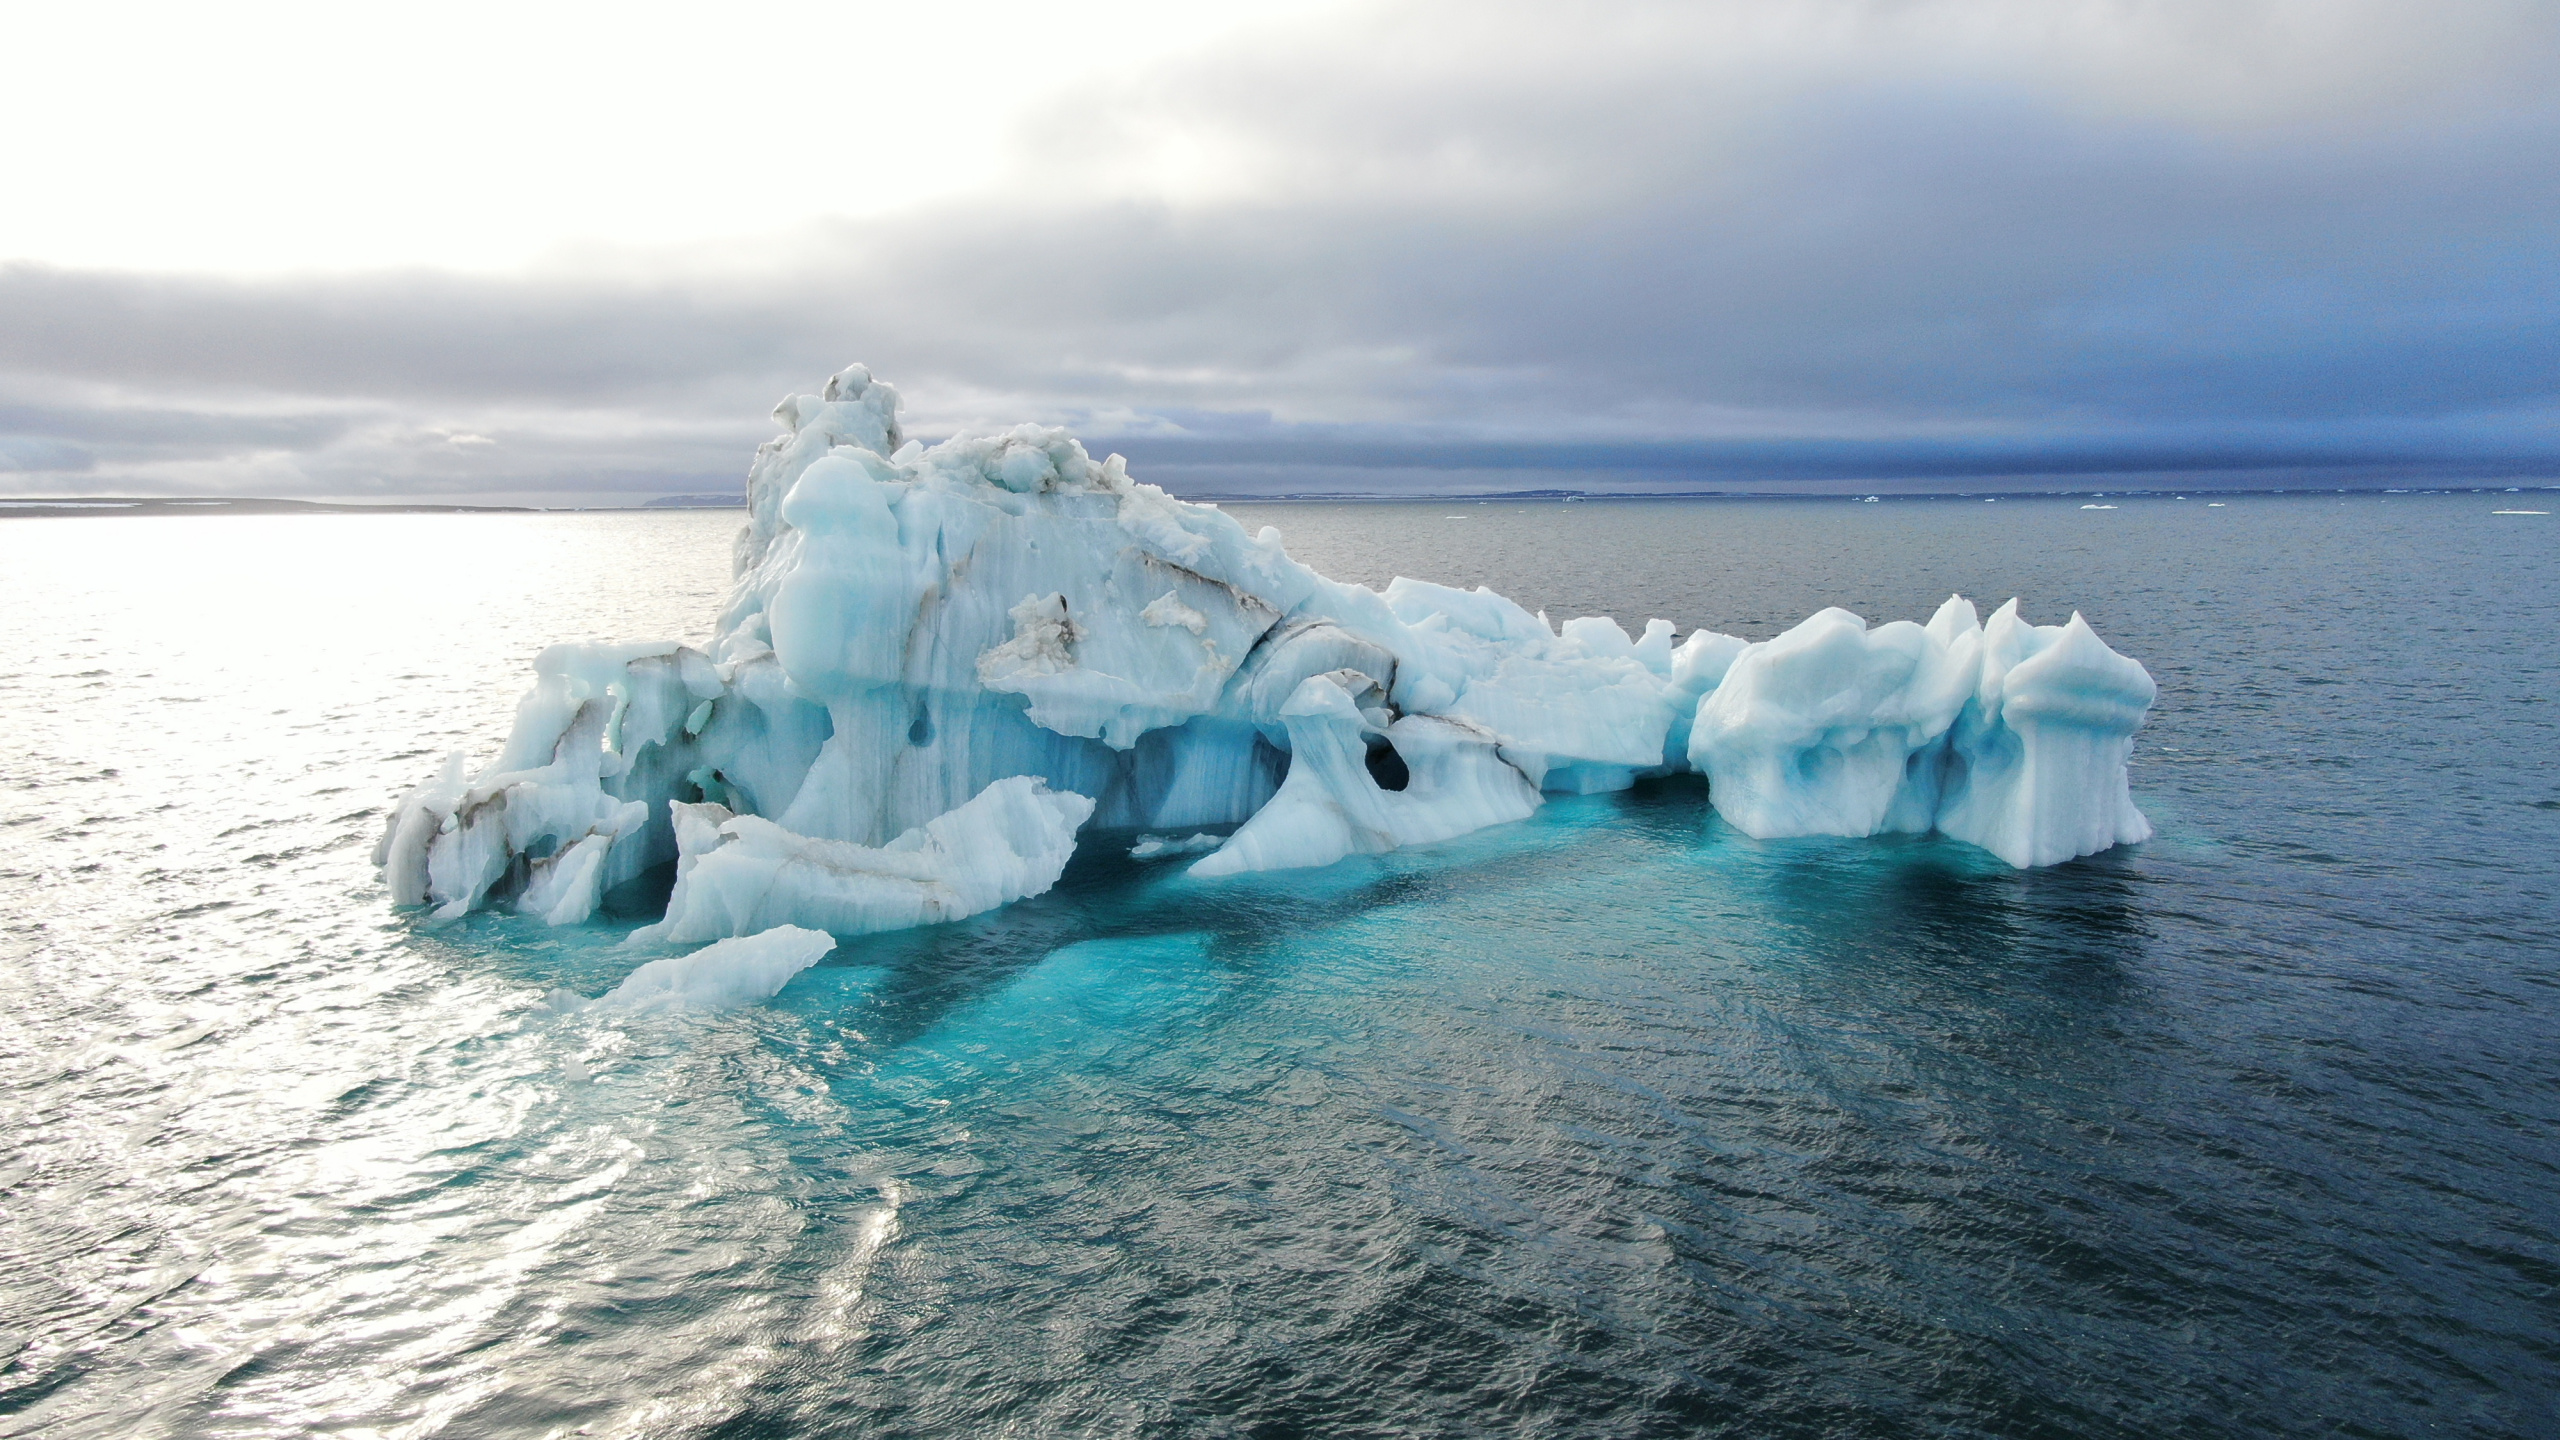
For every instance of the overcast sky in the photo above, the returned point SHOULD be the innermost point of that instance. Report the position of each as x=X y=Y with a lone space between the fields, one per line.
x=573 y=254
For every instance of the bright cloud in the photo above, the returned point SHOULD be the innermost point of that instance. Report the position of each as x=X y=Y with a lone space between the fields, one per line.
x=1294 y=245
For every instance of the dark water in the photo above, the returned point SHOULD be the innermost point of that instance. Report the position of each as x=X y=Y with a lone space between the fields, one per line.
x=1610 y=1123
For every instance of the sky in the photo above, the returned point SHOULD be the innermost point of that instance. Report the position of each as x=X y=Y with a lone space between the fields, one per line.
x=573 y=254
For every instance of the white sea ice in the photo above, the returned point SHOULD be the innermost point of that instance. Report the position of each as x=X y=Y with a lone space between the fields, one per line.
x=937 y=665
x=741 y=970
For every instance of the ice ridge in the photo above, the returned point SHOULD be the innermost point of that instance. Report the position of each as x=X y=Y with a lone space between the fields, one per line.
x=937 y=665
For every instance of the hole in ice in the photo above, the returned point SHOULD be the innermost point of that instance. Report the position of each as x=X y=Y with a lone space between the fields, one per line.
x=642 y=897
x=1386 y=766
x=1813 y=766
x=921 y=732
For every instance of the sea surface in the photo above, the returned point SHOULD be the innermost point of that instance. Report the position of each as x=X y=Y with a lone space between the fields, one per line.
x=1610 y=1123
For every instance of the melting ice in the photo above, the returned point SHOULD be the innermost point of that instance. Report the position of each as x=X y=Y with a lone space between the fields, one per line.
x=937 y=666
x=737 y=971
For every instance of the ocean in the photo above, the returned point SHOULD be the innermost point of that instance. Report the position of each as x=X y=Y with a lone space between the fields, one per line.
x=1613 y=1122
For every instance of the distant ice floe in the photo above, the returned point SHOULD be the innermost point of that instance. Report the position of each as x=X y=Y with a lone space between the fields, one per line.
x=937 y=666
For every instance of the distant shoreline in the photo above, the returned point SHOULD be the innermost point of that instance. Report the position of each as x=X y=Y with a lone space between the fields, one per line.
x=113 y=505
x=104 y=505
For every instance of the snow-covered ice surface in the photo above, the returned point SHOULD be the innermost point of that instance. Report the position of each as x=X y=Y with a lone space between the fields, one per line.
x=938 y=664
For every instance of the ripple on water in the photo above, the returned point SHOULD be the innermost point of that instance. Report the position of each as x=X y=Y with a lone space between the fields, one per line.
x=1612 y=1122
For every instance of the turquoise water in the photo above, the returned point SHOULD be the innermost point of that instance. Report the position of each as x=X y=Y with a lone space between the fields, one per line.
x=1610 y=1123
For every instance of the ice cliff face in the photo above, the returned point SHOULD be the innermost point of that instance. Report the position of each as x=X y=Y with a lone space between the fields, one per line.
x=938 y=665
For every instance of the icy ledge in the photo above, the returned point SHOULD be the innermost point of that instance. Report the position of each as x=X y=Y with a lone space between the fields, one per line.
x=938 y=665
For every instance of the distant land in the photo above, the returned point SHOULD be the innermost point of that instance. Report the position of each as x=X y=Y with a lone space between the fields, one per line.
x=239 y=505
x=698 y=502
x=1315 y=497
x=104 y=505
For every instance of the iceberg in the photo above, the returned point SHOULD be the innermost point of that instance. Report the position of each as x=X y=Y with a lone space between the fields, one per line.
x=937 y=666
x=2011 y=736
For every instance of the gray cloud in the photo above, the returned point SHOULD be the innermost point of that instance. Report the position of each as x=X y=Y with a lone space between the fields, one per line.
x=39 y=454
x=1763 y=245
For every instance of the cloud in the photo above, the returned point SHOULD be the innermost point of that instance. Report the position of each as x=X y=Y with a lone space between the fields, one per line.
x=1766 y=244
x=40 y=455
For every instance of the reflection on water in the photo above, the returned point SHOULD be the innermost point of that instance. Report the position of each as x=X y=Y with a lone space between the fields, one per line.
x=1610 y=1122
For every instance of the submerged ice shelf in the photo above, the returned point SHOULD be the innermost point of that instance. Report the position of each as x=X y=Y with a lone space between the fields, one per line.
x=938 y=665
